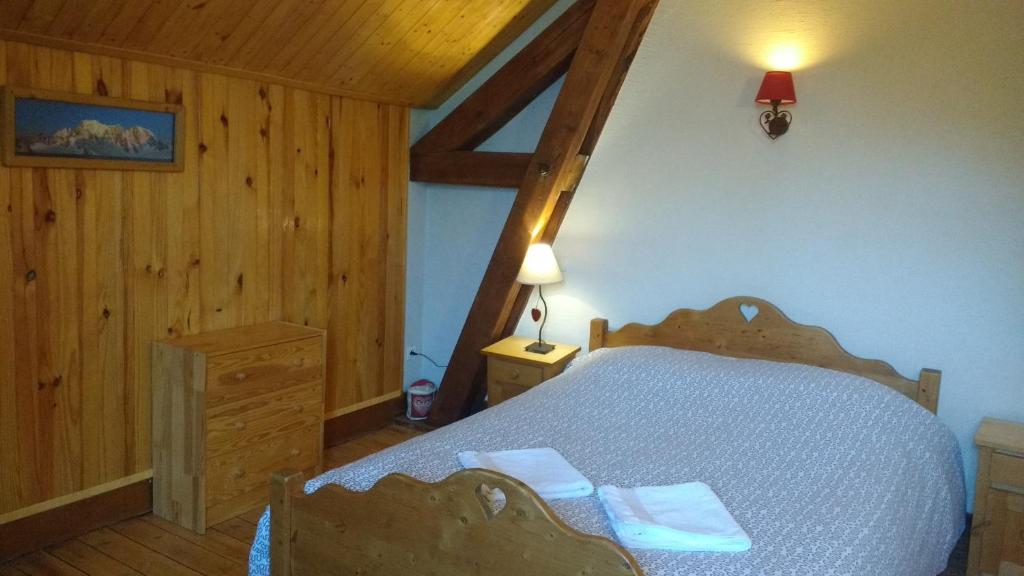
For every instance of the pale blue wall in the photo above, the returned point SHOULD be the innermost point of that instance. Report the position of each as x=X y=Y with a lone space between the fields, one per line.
x=892 y=213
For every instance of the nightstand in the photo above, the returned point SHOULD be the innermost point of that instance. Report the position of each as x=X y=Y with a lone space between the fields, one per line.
x=511 y=370
x=997 y=533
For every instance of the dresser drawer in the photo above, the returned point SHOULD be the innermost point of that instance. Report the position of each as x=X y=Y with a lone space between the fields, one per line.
x=1007 y=470
x=258 y=371
x=245 y=423
x=518 y=374
x=240 y=480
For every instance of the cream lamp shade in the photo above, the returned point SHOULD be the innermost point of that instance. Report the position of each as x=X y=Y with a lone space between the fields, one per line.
x=539 y=266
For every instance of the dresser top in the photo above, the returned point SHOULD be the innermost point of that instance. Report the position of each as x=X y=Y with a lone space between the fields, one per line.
x=1001 y=435
x=243 y=338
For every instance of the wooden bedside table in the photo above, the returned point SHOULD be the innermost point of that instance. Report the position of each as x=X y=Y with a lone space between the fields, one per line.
x=511 y=370
x=997 y=533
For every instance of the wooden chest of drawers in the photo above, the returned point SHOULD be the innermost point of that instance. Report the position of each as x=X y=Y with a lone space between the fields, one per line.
x=997 y=533
x=230 y=408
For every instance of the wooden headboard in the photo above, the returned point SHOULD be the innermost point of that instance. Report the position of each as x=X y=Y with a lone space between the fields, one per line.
x=745 y=327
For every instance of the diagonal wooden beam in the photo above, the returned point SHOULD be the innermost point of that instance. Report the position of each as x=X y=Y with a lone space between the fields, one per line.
x=592 y=74
x=509 y=90
x=636 y=36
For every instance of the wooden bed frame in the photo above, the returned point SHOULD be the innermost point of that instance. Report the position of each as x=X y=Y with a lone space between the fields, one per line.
x=745 y=327
x=405 y=526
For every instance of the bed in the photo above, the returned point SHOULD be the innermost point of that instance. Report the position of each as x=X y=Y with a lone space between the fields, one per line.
x=833 y=464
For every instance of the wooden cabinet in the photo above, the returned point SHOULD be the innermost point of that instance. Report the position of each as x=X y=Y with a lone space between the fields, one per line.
x=230 y=408
x=997 y=533
x=511 y=370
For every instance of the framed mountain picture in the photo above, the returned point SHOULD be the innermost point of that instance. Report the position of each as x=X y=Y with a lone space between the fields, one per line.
x=63 y=130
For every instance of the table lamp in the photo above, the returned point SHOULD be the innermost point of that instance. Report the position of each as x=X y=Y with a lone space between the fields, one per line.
x=540 y=268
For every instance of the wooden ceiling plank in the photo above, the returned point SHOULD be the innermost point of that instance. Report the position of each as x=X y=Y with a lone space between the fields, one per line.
x=459 y=43
x=289 y=41
x=512 y=87
x=346 y=41
x=495 y=169
x=209 y=20
x=251 y=23
x=321 y=35
x=14 y=11
x=512 y=30
x=374 y=51
x=401 y=77
x=22 y=38
x=117 y=16
x=389 y=54
x=589 y=77
x=70 y=17
x=39 y=15
x=112 y=25
x=272 y=31
x=221 y=24
x=146 y=29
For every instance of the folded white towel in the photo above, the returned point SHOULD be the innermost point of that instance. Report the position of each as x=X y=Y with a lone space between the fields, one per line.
x=683 y=517
x=542 y=469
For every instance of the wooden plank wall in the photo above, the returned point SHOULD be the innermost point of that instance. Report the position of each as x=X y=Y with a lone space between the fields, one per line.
x=291 y=206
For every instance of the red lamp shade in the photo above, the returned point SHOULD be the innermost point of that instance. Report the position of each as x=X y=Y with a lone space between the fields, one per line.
x=776 y=86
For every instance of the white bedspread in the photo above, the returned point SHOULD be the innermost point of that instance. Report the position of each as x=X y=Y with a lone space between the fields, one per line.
x=829 y=473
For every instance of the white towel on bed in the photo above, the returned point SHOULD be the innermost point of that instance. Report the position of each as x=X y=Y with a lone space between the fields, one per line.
x=542 y=469
x=682 y=517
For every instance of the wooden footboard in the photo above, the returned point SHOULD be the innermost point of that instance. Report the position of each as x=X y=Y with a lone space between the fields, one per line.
x=408 y=527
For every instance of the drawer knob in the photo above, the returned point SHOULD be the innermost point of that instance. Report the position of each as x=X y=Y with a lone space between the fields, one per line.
x=241 y=376
x=299 y=408
x=237 y=473
x=295 y=452
x=239 y=425
x=299 y=363
x=515 y=373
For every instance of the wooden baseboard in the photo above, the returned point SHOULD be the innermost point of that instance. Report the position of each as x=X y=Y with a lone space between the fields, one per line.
x=73 y=519
x=367 y=419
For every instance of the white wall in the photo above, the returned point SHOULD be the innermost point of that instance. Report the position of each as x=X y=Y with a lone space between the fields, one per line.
x=892 y=213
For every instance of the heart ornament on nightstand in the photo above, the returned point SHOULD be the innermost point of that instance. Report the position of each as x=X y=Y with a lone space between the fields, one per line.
x=749 y=311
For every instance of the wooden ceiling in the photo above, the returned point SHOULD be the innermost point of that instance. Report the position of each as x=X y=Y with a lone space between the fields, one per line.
x=413 y=52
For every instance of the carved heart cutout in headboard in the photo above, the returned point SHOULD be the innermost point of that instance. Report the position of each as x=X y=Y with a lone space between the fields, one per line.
x=749 y=311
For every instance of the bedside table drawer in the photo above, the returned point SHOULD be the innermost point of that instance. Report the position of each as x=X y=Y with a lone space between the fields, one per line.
x=517 y=374
x=1008 y=470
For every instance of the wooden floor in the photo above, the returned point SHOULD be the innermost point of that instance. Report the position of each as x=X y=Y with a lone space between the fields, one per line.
x=149 y=546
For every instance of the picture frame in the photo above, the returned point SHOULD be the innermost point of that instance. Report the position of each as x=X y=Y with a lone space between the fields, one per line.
x=48 y=129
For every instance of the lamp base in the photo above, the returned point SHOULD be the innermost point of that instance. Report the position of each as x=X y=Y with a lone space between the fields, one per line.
x=539 y=347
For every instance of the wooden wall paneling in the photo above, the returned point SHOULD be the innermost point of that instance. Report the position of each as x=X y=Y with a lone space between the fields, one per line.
x=218 y=272
x=306 y=199
x=95 y=264
x=356 y=217
x=9 y=449
x=396 y=160
x=53 y=217
x=368 y=212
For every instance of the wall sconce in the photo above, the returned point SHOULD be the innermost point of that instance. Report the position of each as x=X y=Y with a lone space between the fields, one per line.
x=776 y=89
